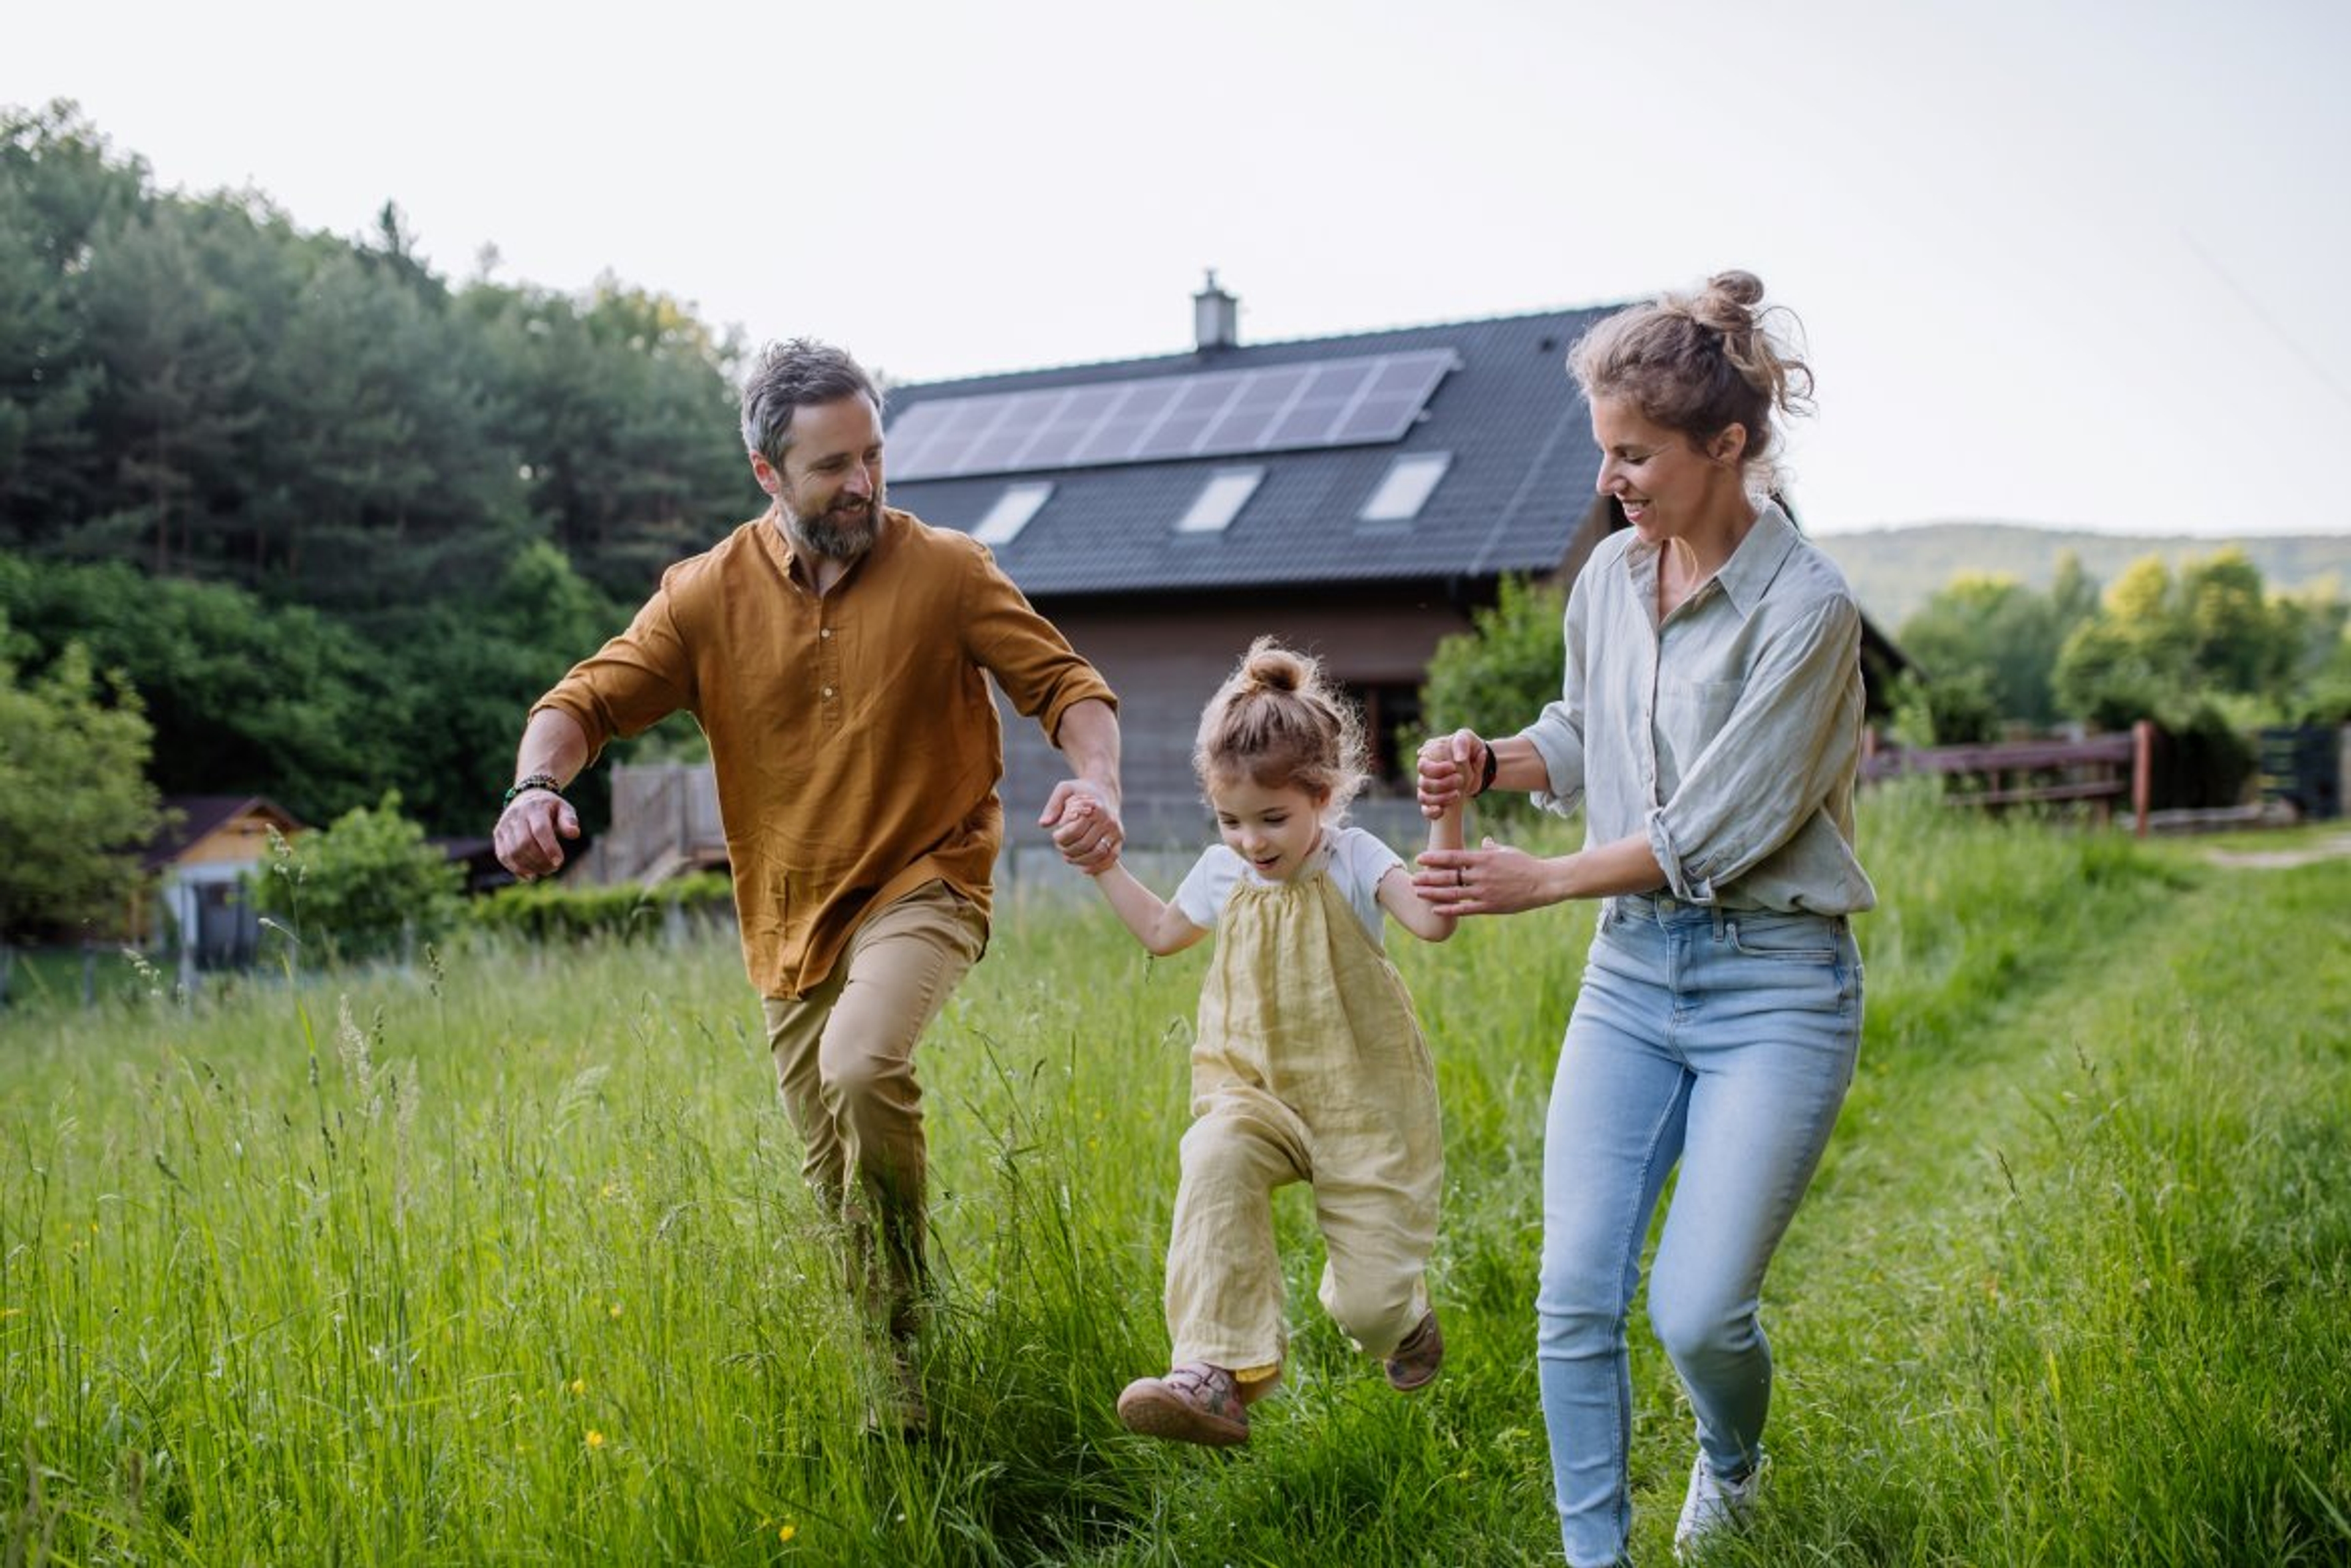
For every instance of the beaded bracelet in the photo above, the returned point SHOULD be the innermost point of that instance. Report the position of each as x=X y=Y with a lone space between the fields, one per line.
x=546 y=782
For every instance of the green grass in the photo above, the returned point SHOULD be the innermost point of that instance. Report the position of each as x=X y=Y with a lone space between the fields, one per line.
x=507 y=1260
x=60 y=976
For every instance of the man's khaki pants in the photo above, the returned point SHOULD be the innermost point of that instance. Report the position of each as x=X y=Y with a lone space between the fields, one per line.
x=844 y=1058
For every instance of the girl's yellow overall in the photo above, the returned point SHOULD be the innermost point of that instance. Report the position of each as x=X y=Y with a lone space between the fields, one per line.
x=1309 y=1066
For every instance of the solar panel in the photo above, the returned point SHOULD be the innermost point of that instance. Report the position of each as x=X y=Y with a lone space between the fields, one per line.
x=1213 y=413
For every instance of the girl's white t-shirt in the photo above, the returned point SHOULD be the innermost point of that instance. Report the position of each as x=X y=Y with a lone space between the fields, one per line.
x=1356 y=859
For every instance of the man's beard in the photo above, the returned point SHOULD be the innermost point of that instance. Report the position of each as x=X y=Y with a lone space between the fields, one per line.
x=840 y=533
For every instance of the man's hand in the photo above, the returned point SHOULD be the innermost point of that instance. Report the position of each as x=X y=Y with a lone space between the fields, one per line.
x=530 y=833
x=1086 y=828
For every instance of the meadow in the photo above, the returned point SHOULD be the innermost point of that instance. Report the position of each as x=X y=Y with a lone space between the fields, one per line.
x=503 y=1257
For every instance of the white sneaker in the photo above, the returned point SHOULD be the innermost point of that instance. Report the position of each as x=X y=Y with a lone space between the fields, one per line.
x=1714 y=1506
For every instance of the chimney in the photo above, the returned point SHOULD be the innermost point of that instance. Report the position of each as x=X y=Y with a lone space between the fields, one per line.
x=1216 y=317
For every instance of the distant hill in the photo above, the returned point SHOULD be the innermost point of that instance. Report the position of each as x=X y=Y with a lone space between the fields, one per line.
x=1894 y=570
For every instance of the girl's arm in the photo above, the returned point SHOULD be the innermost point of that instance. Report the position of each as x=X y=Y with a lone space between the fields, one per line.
x=1402 y=899
x=1160 y=926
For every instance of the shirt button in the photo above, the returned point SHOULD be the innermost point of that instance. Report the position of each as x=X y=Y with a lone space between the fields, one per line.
x=826 y=633
x=828 y=691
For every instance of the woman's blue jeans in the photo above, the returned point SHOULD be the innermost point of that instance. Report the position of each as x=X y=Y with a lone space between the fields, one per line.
x=1724 y=1041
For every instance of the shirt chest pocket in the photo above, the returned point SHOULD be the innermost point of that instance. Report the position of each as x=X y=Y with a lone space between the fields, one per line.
x=1690 y=713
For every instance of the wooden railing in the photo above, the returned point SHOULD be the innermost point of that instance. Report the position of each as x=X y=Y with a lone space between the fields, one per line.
x=2097 y=771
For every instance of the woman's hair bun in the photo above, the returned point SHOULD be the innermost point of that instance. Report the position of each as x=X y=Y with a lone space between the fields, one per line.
x=1728 y=303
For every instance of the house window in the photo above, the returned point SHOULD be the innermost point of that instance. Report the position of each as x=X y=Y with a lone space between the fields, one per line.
x=1220 y=501
x=1011 y=512
x=1406 y=487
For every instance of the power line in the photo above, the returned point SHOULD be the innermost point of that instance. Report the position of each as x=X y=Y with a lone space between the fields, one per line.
x=2293 y=345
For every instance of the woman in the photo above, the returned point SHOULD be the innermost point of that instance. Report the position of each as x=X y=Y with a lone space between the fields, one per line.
x=1709 y=720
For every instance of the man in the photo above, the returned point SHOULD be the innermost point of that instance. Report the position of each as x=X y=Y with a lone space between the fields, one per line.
x=836 y=652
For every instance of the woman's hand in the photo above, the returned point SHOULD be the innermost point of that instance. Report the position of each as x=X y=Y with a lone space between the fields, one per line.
x=1450 y=767
x=1493 y=879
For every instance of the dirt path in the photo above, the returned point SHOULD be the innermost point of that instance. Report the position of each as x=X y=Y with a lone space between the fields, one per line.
x=2335 y=847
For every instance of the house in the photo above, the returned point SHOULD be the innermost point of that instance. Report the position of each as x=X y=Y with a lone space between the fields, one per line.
x=197 y=867
x=1357 y=496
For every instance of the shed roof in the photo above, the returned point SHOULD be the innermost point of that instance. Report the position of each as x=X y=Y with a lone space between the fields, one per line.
x=189 y=817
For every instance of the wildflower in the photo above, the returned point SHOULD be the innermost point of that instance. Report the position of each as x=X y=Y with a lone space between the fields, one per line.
x=578 y=1385
x=786 y=1533
x=595 y=1439
x=616 y=1309
x=612 y=1189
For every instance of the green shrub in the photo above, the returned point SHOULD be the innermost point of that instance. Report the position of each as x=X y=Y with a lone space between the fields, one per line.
x=1495 y=677
x=75 y=802
x=363 y=886
x=1949 y=710
x=550 y=912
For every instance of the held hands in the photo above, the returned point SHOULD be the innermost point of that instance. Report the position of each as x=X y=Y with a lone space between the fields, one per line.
x=1085 y=824
x=1493 y=879
x=530 y=831
x=1450 y=767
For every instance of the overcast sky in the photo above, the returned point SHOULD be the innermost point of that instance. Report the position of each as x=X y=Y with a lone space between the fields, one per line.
x=2079 y=265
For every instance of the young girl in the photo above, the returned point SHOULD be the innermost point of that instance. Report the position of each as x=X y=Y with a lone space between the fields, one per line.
x=1308 y=1065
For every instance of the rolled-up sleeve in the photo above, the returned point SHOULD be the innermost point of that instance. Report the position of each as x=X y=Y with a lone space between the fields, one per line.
x=1794 y=732
x=1041 y=674
x=1557 y=732
x=631 y=682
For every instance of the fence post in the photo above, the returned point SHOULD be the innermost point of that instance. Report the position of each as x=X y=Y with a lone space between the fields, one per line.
x=2142 y=772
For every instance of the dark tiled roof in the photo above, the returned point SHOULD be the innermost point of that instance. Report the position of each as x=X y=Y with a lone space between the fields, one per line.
x=1522 y=475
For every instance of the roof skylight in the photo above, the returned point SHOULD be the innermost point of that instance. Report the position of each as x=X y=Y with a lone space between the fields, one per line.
x=1406 y=487
x=1011 y=512
x=1220 y=501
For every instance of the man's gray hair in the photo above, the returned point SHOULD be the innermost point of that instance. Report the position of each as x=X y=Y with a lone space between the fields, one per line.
x=802 y=373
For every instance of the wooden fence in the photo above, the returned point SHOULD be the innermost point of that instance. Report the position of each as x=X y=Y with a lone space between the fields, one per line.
x=2095 y=772
x=664 y=822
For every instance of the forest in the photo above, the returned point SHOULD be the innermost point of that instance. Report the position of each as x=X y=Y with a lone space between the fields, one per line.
x=333 y=519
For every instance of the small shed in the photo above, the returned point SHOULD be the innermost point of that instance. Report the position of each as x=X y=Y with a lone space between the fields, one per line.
x=197 y=867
